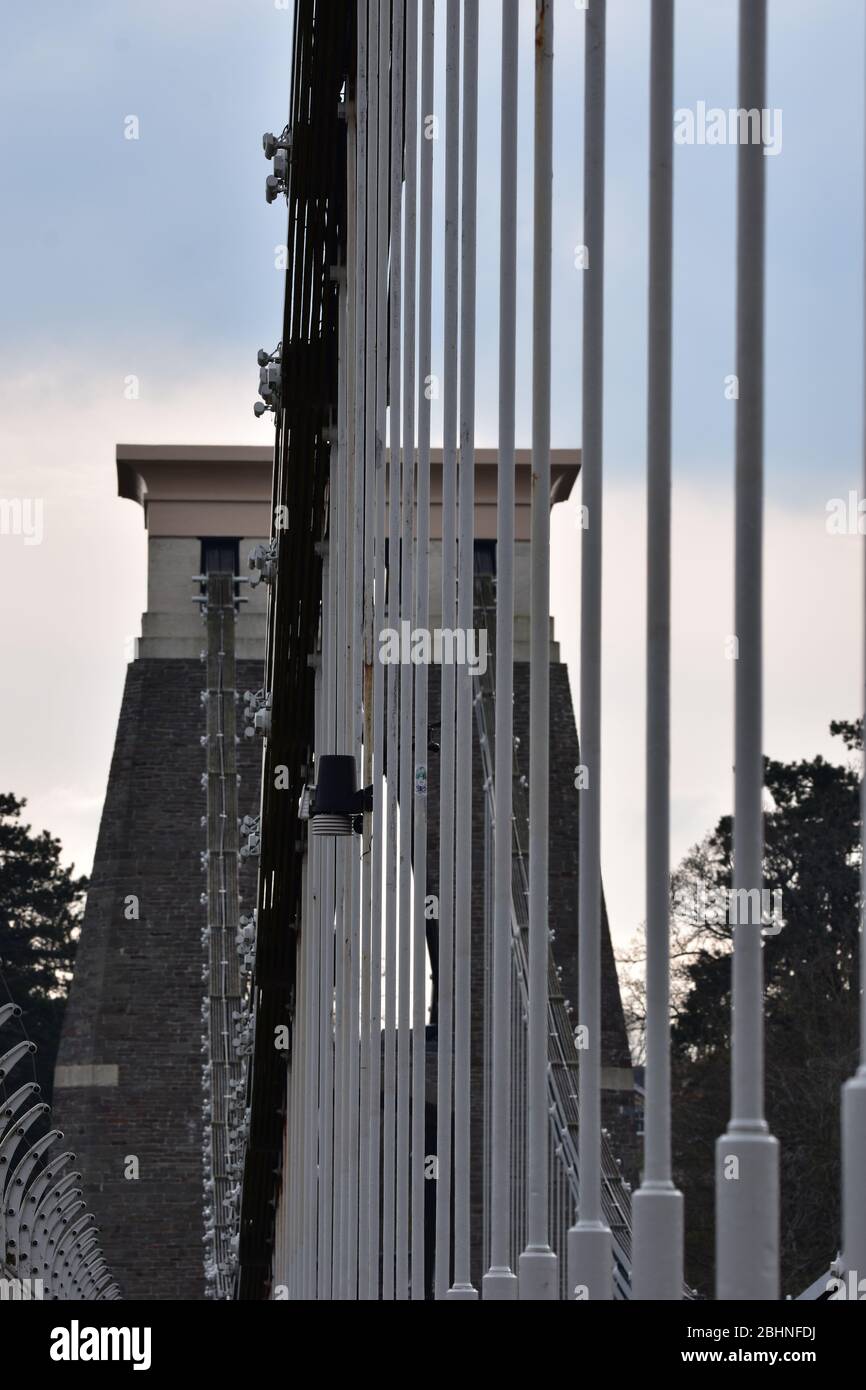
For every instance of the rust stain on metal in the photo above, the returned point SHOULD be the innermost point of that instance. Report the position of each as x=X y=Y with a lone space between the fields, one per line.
x=540 y=17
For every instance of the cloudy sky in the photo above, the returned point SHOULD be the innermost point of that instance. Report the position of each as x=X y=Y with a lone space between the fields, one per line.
x=155 y=258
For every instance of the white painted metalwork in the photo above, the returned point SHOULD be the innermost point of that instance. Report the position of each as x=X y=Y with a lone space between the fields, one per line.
x=48 y=1244
x=372 y=1272
x=658 y=1207
x=361 y=1165
x=393 y=610
x=500 y=1281
x=462 y=1288
x=407 y=613
x=445 y=1028
x=365 y=385
x=421 y=588
x=590 y=1269
x=747 y=1158
x=537 y=1273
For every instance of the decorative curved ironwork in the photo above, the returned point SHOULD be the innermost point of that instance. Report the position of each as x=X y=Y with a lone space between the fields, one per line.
x=48 y=1240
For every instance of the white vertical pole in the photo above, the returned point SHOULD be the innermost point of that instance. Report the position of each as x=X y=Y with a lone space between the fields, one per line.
x=854 y=1091
x=325 y=927
x=355 y=718
x=337 y=544
x=284 y=1246
x=299 y=1130
x=500 y=1283
x=589 y=1242
x=538 y=1277
x=657 y=1210
x=422 y=618
x=348 y=851
x=747 y=1156
x=368 y=20
x=389 y=1194
x=462 y=1289
x=410 y=264
x=449 y=620
x=518 y=1148
x=352 y=693
x=310 y=1082
x=312 y=925
x=294 y=1163
x=389 y=1036
x=379 y=827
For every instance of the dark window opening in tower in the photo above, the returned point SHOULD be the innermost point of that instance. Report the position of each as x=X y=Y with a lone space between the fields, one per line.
x=221 y=555
x=485 y=557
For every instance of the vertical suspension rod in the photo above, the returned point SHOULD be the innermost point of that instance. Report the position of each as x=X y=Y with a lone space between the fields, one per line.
x=462 y=1288
x=500 y=1282
x=449 y=620
x=590 y=1267
x=422 y=619
x=538 y=1277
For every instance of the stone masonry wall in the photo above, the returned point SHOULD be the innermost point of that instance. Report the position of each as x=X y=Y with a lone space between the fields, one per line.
x=134 y=1009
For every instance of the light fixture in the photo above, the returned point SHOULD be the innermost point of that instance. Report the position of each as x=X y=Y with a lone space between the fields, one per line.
x=337 y=807
x=263 y=563
x=277 y=149
x=270 y=374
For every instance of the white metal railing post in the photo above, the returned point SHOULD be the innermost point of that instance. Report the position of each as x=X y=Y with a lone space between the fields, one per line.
x=500 y=1282
x=302 y=1282
x=369 y=21
x=352 y=714
x=410 y=270
x=422 y=618
x=379 y=827
x=305 y=1258
x=325 y=931
x=342 y=869
x=293 y=1193
x=590 y=1272
x=747 y=1157
x=462 y=1289
x=854 y=1091
x=449 y=620
x=395 y=277
x=657 y=1271
x=313 y=924
x=538 y=1268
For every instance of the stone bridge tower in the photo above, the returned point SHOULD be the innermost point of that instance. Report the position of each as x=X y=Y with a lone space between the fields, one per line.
x=128 y=1082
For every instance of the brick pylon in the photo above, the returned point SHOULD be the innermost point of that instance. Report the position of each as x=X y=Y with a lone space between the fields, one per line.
x=128 y=1081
